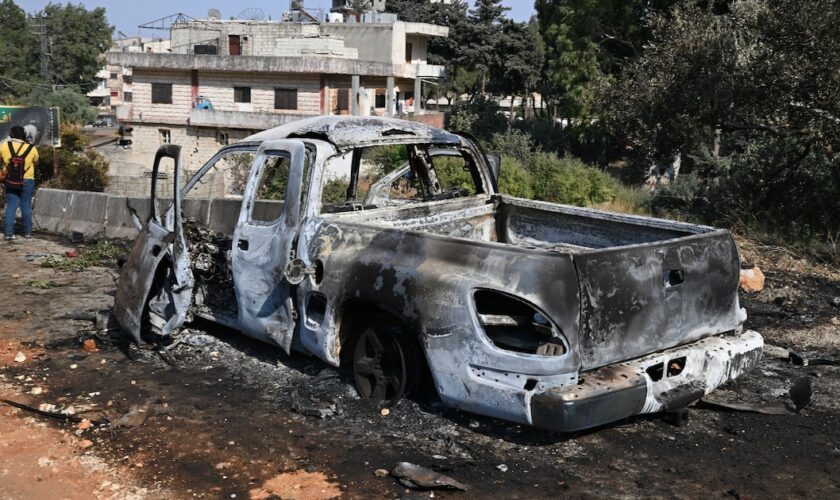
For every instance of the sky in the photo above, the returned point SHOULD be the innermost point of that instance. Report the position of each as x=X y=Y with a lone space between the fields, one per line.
x=126 y=15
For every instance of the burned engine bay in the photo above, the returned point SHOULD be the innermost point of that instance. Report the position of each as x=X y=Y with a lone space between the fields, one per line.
x=210 y=257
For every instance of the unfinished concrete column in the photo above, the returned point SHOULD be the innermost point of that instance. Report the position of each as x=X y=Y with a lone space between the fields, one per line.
x=390 y=97
x=354 y=96
x=418 y=96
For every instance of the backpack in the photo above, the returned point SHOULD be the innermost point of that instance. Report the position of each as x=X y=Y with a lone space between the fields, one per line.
x=16 y=169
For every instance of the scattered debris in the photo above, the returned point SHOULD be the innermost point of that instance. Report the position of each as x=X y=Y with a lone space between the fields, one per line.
x=800 y=393
x=137 y=414
x=85 y=424
x=85 y=443
x=420 y=478
x=502 y=467
x=71 y=254
x=763 y=408
x=71 y=413
x=36 y=391
x=803 y=359
x=752 y=280
x=380 y=472
x=773 y=351
x=89 y=345
x=384 y=412
x=20 y=357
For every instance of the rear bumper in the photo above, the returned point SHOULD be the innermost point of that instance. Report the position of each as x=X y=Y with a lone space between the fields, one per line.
x=660 y=381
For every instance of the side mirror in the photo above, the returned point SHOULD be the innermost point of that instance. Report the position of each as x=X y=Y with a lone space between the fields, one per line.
x=495 y=162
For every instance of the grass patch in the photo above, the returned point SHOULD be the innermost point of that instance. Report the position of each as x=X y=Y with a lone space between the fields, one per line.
x=43 y=284
x=100 y=254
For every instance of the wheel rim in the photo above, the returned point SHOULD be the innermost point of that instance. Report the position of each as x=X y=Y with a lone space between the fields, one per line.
x=379 y=367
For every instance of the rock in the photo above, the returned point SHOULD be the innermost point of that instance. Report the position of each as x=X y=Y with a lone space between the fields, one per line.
x=35 y=391
x=20 y=357
x=752 y=280
x=84 y=424
x=74 y=366
x=85 y=443
x=502 y=467
x=89 y=345
x=380 y=472
x=385 y=412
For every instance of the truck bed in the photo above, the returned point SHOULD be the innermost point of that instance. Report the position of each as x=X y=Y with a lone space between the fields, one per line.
x=644 y=284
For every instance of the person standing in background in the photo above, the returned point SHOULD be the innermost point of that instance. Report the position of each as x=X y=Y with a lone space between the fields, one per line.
x=20 y=159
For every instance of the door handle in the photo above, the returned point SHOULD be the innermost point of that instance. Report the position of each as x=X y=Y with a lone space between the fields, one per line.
x=243 y=245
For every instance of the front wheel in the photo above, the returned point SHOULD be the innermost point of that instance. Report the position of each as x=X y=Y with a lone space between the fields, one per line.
x=384 y=365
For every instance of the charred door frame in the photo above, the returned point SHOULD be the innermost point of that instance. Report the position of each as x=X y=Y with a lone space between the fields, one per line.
x=157 y=240
x=262 y=250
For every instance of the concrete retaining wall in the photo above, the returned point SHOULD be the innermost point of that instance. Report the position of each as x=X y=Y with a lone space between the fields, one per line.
x=109 y=215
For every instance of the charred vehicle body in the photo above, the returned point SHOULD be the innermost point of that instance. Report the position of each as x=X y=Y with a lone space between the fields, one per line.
x=555 y=316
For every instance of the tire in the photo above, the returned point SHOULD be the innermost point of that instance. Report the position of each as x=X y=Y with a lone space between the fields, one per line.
x=385 y=364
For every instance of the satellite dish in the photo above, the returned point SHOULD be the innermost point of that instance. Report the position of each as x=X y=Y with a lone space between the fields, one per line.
x=252 y=14
x=214 y=14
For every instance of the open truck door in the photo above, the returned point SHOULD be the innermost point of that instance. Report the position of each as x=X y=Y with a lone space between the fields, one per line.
x=263 y=242
x=155 y=286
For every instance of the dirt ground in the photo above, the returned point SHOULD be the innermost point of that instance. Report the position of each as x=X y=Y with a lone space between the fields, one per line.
x=226 y=417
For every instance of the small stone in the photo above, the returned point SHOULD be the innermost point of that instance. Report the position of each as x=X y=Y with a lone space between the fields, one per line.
x=20 y=357
x=74 y=366
x=84 y=424
x=384 y=412
x=502 y=467
x=16 y=276
x=35 y=391
x=380 y=472
x=85 y=444
x=473 y=424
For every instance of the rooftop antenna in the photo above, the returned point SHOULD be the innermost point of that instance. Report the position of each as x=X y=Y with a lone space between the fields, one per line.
x=214 y=14
x=252 y=14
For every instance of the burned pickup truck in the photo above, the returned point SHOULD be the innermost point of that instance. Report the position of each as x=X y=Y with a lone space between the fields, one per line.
x=560 y=317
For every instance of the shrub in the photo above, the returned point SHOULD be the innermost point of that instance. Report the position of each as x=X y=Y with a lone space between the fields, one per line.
x=481 y=117
x=386 y=158
x=514 y=179
x=515 y=143
x=570 y=181
x=84 y=171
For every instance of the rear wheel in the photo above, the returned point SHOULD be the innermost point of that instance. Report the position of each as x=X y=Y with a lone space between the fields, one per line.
x=385 y=364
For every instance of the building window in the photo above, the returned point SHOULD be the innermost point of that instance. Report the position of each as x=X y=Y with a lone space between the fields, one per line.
x=380 y=100
x=113 y=76
x=165 y=135
x=128 y=96
x=408 y=52
x=127 y=79
x=161 y=93
x=285 y=99
x=241 y=94
x=115 y=93
x=222 y=137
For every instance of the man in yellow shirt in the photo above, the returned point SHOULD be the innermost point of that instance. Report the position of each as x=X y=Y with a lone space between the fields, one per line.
x=19 y=163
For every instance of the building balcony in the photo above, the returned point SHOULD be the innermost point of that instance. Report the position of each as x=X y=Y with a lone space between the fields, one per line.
x=248 y=120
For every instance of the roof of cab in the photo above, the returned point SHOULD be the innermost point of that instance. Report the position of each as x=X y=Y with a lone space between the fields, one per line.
x=350 y=131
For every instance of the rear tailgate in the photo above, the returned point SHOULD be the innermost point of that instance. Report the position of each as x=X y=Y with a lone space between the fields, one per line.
x=640 y=299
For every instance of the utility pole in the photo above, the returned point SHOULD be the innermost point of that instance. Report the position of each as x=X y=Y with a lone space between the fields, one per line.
x=39 y=28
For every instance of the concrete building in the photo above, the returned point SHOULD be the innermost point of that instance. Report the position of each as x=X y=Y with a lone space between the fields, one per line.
x=115 y=92
x=222 y=80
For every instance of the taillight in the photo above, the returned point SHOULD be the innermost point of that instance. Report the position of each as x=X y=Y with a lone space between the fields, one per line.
x=515 y=325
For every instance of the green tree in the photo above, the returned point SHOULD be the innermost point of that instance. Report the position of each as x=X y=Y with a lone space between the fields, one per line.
x=749 y=94
x=18 y=53
x=74 y=104
x=587 y=41
x=78 y=38
x=485 y=39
